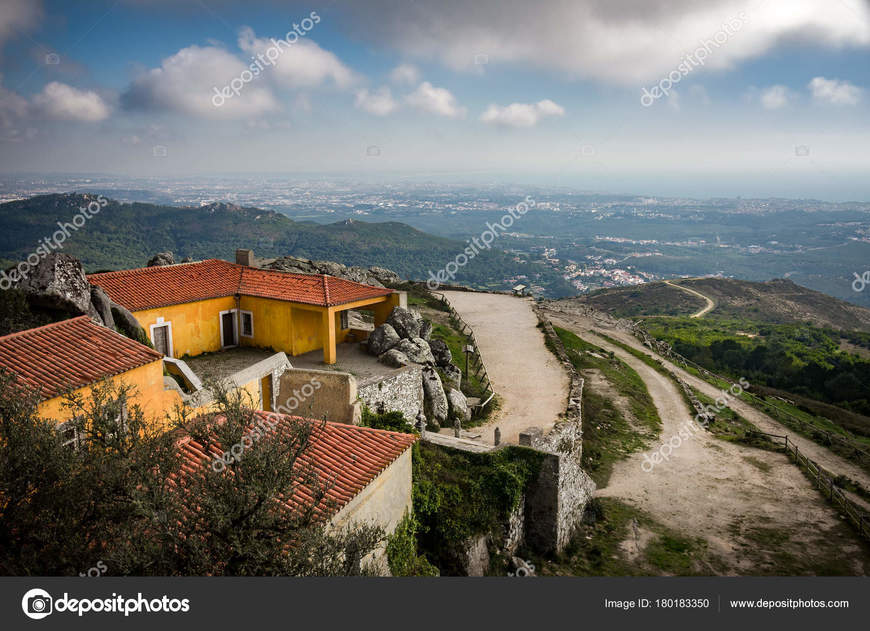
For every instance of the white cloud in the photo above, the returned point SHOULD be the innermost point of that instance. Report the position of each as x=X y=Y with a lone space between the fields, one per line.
x=302 y=64
x=17 y=16
x=407 y=74
x=379 y=102
x=186 y=82
x=521 y=114
x=699 y=93
x=775 y=97
x=64 y=102
x=435 y=101
x=630 y=42
x=834 y=91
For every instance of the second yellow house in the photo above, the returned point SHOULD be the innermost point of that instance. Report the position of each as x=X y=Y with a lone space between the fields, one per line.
x=193 y=308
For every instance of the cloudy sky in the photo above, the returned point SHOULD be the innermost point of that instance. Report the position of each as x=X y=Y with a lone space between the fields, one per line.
x=723 y=96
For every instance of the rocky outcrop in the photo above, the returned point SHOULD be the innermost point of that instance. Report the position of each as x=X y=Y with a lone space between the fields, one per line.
x=417 y=350
x=434 y=400
x=426 y=330
x=394 y=358
x=103 y=305
x=382 y=339
x=127 y=323
x=161 y=258
x=441 y=353
x=458 y=405
x=406 y=323
x=453 y=376
x=58 y=283
x=376 y=276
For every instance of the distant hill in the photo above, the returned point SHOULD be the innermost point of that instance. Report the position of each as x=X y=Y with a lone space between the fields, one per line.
x=125 y=235
x=777 y=301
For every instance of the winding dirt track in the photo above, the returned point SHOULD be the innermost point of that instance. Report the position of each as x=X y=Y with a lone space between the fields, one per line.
x=702 y=312
x=719 y=491
x=529 y=379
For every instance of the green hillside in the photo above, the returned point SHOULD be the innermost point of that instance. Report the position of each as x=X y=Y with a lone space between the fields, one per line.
x=126 y=235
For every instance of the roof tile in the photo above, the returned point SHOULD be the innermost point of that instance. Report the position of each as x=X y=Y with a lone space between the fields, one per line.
x=70 y=354
x=159 y=286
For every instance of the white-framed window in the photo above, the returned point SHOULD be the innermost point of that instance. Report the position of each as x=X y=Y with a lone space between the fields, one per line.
x=229 y=328
x=247 y=318
x=69 y=435
x=161 y=337
x=344 y=320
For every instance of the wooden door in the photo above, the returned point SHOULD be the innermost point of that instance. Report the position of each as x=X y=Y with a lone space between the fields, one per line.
x=161 y=339
x=229 y=328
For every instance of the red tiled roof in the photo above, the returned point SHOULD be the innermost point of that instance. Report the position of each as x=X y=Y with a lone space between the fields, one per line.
x=70 y=354
x=347 y=456
x=150 y=287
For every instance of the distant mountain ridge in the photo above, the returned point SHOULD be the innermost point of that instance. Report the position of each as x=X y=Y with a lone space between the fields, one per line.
x=123 y=235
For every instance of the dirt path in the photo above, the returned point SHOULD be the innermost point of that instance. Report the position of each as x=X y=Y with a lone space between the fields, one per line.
x=698 y=314
x=532 y=384
x=732 y=496
x=828 y=459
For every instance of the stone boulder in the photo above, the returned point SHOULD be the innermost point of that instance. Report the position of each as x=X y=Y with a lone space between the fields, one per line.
x=103 y=305
x=382 y=339
x=394 y=358
x=426 y=330
x=453 y=376
x=161 y=258
x=406 y=323
x=441 y=353
x=434 y=400
x=58 y=283
x=127 y=324
x=417 y=350
x=458 y=405
x=374 y=276
x=385 y=276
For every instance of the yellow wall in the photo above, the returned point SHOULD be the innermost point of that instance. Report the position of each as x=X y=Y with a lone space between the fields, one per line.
x=281 y=325
x=148 y=394
x=195 y=325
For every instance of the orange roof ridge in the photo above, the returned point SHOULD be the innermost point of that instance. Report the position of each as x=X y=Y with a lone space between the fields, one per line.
x=43 y=327
x=160 y=286
x=70 y=354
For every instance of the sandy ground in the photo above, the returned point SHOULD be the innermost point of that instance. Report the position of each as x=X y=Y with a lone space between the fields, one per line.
x=529 y=379
x=702 y=312
x=721 y=491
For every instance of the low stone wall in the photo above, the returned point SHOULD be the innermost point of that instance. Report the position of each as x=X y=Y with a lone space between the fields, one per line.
x=334 y=397
x=400 y=391
x=556 y=501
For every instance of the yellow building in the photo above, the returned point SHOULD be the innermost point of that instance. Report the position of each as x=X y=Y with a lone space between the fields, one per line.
x=72 y=355
x=193 y=308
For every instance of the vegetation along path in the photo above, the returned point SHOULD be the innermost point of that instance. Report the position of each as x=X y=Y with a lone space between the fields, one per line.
x=529 y=379
x=702 y=312
x=754 y=511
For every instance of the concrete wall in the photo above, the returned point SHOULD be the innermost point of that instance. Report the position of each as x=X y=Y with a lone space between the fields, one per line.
x=401 y=391
x=334 y=397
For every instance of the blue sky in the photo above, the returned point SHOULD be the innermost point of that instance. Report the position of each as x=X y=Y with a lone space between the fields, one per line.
x=547 y=91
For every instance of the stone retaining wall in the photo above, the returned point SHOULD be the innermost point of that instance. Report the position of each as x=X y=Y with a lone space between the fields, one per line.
x=400 y=391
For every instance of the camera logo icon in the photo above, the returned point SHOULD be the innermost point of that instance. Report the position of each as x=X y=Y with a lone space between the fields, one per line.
x=37 y=604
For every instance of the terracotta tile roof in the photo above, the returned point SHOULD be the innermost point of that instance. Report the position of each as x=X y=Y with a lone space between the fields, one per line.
x=70 y=354
x=348 y=456
x=150 y=287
